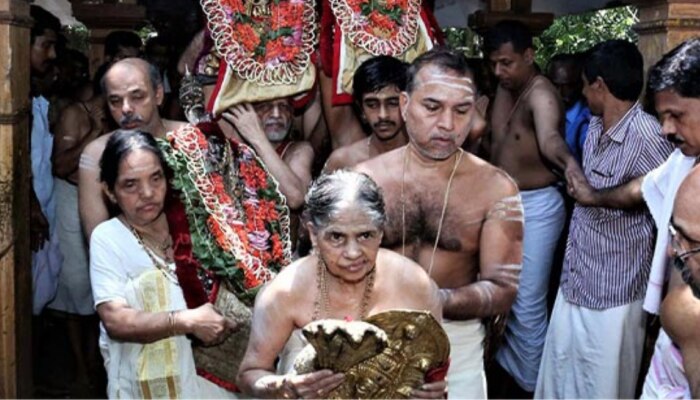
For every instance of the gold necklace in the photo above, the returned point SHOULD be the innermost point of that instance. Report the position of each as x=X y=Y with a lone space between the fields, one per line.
x=163 y=267
x=322 y=302
x=446 y=198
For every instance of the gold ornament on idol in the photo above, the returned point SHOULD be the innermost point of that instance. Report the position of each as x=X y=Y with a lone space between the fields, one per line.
x=406 y=158
x=322 y=303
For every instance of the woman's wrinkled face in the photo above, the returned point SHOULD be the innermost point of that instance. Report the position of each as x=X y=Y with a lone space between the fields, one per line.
x=140 y=187
x=348 y=244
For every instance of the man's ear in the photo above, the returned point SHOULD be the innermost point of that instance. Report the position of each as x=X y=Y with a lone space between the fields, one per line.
x=529 y=56
x=160 y=94
x=403 y=104
x=599 y=83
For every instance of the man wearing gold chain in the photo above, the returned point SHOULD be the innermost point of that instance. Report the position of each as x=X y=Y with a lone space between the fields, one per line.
x=527 y=125
x=470 y=244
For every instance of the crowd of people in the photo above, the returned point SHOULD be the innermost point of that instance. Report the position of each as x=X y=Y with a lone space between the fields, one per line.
x=208 y=244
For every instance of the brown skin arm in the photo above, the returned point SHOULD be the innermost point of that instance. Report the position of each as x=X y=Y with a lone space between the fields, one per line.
x=337 y=160
x=625 y=196
x=272 y=326
x=343 y=126
x=313 y=124
x=680 y=317
x=473 y=144
x=130 y=325
x=300 y=158
x=92 y=207
x=499 y=270
x=294 y=174
x=73 y=132
x=547 y=114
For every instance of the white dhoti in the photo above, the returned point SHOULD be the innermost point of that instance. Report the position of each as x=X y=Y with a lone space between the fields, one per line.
x=521 y=351
x=74 y=294
x=591 y=353
x=466 y=378
x=666 y=377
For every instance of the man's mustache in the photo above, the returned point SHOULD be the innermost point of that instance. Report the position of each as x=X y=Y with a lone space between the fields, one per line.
x=129 y=119
x=675 y=139
x=382 y=124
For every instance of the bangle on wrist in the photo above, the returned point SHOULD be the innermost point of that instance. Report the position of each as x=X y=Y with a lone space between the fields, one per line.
x=172 y=315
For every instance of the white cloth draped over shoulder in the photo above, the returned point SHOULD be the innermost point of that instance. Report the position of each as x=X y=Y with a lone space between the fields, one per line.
x=659 y=189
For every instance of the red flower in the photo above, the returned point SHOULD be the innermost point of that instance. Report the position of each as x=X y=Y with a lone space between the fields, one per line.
x=402 y=4
x=246 y=36
x=286 y=15
x=382 y=21
x=278 y=50
x=218 y=233
x=236 y=6
x=356 y=5
x=277 y=247
x=250 y=280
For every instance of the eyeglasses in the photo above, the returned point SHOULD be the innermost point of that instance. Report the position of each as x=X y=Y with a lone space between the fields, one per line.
x=680 y=258
x=676 y=245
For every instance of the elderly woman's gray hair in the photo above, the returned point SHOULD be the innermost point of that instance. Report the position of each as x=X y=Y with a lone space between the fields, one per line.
x=331 y=192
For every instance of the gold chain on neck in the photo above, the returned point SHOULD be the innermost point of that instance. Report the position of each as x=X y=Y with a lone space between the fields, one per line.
x=322 y=303
x=150 y=252
x=446 y=198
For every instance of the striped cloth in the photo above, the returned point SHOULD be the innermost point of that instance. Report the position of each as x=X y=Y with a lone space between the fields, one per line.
x=609 y=251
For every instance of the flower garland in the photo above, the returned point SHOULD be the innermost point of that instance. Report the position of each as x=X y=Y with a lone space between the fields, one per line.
x=380 y=27
x=250 y=232
x=269 y=42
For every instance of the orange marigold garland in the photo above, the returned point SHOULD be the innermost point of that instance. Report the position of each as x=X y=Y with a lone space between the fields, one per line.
x=244 y=240
x=269 y=43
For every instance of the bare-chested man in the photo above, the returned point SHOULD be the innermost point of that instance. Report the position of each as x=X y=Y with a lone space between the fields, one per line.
x=377 y=84
x=133 y=90
x=456 y=215
x=527 y=142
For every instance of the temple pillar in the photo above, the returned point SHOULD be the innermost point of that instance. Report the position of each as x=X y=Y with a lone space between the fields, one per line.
x=15 y=256
x=665 y=24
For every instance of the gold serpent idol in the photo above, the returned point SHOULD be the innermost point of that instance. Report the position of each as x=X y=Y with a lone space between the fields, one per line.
x=383 y=357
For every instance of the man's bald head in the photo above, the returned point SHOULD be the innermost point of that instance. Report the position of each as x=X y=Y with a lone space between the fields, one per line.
x=137 y=65
x=686 y=203
x=686 y=221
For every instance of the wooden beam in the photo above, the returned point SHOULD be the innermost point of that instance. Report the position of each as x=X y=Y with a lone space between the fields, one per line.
x=663 y=24
x=15 y=258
